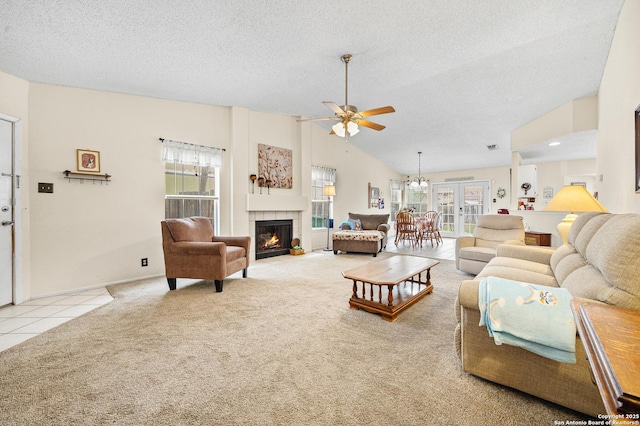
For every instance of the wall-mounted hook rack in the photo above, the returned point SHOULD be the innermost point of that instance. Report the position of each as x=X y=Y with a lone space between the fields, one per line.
x=87 y=176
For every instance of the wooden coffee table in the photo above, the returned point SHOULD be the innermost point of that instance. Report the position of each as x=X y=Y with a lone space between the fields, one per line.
x=394 y=284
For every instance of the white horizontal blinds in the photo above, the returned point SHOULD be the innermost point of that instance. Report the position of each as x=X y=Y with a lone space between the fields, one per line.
x=322 y=175
x=191 y=154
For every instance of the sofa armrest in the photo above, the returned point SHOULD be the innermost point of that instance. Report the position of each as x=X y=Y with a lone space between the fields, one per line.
x=465 y=242
x=468 y=294
x=384 y=227
x=197 y=248
x=532 y=253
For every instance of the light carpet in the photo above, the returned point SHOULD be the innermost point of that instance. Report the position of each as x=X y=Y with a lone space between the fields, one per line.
x=280 y=347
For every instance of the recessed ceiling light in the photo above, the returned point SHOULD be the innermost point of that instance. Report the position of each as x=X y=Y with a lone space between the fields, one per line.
x=556 y=143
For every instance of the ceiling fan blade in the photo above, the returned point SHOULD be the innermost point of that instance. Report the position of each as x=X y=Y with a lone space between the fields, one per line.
x=377 y=111
x=319 y=119
x=369 y=124
x=334 y=107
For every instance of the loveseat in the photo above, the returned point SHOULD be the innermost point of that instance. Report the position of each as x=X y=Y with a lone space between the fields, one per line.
x=600 y=263
x=363 y=233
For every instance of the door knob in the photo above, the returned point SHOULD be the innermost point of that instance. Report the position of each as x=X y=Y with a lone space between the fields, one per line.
x=7 y=223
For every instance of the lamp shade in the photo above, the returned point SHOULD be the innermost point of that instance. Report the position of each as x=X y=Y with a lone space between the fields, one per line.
x=574 y=198
x=329 y=190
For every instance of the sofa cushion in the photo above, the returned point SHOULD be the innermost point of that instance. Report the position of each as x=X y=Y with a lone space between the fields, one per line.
x=483 y=254
x=190 y=229
x=358 y=235
x=615 y=251
x=526 y=265
x=235 y=253
x=564 y=260
x=583 y=238
x=517 y=274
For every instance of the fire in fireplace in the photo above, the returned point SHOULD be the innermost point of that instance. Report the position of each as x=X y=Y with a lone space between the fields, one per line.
x=273 y=237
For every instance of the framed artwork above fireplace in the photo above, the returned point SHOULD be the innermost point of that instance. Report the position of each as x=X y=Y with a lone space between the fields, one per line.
x=276 y=164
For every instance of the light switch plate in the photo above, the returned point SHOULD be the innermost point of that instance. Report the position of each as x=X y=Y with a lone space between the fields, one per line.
x=45 y=187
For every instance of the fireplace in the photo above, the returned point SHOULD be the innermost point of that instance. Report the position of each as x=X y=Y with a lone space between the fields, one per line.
x=273 y=237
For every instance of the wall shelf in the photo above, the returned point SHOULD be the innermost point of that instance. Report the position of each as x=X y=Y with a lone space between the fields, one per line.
x=93 y=177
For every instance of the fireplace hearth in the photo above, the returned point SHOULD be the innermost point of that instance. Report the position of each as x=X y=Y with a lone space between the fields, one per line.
x=273 y=237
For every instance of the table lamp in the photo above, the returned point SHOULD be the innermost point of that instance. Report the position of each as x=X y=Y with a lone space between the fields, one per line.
x=572 y=198
x=329 y=191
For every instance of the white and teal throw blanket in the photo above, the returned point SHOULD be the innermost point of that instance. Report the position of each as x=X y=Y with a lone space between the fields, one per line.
x=534 y=317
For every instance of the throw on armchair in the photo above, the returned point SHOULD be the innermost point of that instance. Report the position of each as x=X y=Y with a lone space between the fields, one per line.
x=192 y=251
x=473 y=253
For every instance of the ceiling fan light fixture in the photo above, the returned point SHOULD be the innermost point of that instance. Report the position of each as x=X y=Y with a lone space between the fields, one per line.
x=338 y=129
x=352 y=128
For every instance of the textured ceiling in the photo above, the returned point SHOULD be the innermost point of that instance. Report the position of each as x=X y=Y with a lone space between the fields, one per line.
x=461 y=74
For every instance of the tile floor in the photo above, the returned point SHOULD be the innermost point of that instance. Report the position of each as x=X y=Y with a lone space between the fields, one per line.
x=22 y=322
x=446 y=250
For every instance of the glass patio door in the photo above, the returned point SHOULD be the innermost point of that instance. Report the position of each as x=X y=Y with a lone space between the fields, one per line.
x=461 y=203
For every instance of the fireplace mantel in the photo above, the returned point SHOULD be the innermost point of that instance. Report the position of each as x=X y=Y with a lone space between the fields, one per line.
x=271 y=202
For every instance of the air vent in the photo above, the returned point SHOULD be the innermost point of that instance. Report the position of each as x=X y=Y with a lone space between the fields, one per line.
x=492 y=147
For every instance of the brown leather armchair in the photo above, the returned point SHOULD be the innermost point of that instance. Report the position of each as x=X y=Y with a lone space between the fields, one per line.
x=191 y=250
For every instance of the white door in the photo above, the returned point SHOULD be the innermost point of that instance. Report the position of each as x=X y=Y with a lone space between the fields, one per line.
x=461 y=203
x=6 y=212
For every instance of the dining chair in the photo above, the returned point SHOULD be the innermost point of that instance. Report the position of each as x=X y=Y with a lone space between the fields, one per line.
x=406 y=229
x=427 y=223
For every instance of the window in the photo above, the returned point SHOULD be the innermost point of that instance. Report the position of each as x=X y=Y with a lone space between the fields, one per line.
x=192 y=175
x=417 y=200
x=320 y=205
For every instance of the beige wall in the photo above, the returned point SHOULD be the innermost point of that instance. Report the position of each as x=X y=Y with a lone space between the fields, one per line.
x=619 y=97
x=88 y=234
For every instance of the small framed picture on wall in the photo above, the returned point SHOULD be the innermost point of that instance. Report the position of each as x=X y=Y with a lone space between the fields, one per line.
x=88 y=161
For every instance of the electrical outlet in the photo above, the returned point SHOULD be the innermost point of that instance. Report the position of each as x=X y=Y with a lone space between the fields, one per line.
x=144 y=261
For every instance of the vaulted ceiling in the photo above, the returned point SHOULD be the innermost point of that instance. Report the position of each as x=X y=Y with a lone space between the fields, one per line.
x=461 y=74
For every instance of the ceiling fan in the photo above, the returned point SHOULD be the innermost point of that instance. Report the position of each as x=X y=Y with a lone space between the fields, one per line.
x=347 y=115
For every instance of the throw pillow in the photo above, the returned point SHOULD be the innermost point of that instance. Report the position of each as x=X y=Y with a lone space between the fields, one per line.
x=355 y=224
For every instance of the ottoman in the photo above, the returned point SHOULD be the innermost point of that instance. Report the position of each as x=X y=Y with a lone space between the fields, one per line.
x=363 y=241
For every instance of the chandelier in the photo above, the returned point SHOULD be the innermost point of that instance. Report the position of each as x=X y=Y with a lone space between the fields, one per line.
x=419 y=181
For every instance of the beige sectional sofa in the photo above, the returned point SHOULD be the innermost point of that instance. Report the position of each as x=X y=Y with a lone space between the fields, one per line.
x=600 y=263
